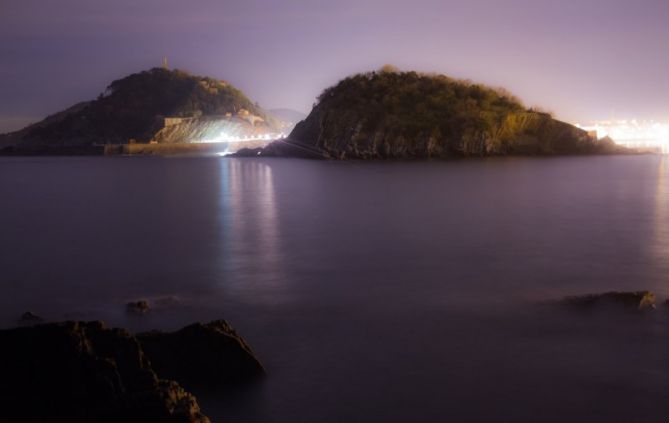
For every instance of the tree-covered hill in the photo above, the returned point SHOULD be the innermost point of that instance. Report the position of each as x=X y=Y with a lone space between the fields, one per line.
x=393 y=114
x=134 y=107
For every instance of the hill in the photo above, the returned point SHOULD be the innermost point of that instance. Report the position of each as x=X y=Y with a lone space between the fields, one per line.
x=287 y=115
x=392 y=114
x=135 y=108
x=288 y=118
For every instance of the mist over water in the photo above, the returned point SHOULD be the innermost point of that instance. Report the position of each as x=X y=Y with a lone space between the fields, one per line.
x=371 y=291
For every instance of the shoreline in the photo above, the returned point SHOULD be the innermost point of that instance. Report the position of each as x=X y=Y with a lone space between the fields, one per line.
x=260 y=149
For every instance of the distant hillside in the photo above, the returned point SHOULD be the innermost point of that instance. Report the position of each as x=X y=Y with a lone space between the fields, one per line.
x=392 y=114
x=17 y=136
x=287 y=115
x=287 y=118
x=134 y=108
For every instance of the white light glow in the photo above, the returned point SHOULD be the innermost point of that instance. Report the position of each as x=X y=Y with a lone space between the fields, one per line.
x=633 y=133
x=226 y=137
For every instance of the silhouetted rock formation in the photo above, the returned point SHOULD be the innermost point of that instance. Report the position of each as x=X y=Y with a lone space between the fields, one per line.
x=391 y=114
x=78 y=372
x=634 y=301
x=201 y=354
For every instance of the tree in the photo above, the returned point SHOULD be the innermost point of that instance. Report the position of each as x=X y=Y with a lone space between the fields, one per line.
x=387 y=68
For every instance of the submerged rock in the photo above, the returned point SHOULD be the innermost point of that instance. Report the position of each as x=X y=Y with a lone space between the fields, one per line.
x=138 y=307
x=85 y=372
x=637 y=300
x=210 y=354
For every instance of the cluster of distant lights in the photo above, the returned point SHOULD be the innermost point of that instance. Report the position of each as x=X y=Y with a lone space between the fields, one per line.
x=226 y=137
x=633 y=133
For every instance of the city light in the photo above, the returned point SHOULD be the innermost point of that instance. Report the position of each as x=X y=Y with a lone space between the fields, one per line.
x=233 y=139
x=224 y=136
x=646 y=134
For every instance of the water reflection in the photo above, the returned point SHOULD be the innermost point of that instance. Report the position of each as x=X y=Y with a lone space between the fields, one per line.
x=253 y=253
x=661 y=216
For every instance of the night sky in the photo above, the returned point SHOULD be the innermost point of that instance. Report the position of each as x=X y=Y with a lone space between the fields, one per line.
x=582 y=59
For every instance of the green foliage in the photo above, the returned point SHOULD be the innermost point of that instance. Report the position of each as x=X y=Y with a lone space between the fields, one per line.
x=394 y=114
x=389 y=69
x=133 y=107
x=412 y=105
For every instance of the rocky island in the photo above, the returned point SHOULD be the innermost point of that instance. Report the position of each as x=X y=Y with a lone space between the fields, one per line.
x=388 y=114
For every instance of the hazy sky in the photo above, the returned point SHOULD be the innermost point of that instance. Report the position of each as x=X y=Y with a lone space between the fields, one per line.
x=582 y=59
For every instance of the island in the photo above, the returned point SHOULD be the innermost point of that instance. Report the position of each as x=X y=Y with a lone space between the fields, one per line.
x=390 y=114
x=159 y=111
x=384 y=114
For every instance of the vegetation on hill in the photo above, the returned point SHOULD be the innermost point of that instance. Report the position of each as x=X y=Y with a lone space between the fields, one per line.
x=382 y=114
x=388 y=113
x=134 y=107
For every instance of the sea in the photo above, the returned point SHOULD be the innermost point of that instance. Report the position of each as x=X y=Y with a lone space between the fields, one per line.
x=371 y=291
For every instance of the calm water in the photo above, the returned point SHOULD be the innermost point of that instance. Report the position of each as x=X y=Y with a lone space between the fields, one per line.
x=389 y=292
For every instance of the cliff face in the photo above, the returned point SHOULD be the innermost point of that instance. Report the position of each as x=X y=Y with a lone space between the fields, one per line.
x=134 y=108
x=537 y=133
x=410 y=115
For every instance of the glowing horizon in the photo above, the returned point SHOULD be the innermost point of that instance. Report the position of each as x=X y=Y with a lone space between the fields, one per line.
x=633 y=133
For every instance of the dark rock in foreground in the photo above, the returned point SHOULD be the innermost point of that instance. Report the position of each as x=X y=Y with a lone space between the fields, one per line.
x=638 y=301
x=211 y=354
x=80 y=372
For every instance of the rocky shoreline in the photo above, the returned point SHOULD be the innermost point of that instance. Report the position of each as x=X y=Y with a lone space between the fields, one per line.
x=88 y=372
x=80 y=372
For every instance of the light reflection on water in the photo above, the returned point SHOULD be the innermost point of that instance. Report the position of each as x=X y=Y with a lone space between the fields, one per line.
x=251 y=230
x=660 y=240
x=371 y=291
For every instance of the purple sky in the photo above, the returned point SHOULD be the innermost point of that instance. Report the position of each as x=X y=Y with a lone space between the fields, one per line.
x=582 y=59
